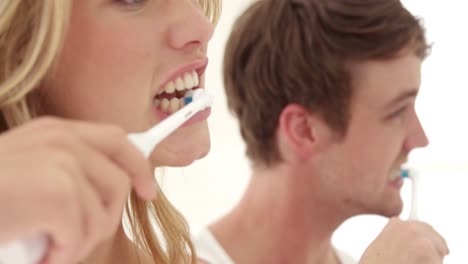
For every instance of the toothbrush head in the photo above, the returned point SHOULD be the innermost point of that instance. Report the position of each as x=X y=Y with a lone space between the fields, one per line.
x=191 y=96
x=195 y=101
x=197 y=95
x=405 y=173
x=188 y=98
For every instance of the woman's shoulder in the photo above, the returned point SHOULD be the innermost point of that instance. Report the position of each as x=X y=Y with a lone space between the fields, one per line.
x=201 y=261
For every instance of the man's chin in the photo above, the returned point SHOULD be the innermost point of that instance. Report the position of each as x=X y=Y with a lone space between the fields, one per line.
x=393 y=210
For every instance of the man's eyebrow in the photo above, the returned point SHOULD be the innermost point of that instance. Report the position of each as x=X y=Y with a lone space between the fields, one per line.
x=403 y=96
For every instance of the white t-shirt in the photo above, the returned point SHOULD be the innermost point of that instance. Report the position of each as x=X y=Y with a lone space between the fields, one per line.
x=209 y=250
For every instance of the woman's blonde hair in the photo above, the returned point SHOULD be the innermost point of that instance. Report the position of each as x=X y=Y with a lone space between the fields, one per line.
x=31 y=34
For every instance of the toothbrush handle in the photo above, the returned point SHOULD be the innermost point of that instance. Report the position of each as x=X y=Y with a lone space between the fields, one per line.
x=414 y=198
x=146 y=141
x=26 y=251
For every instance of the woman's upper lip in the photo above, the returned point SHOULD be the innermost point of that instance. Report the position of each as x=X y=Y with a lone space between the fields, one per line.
x=198 y=65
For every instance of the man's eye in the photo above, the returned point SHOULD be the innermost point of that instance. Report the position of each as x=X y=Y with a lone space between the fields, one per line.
x=399 y=113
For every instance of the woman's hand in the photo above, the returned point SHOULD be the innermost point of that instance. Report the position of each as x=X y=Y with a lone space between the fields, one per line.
x=69 y=180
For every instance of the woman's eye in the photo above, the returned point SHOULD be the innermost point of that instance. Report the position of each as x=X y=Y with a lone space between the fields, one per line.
x=131 y=2
x=131 y=5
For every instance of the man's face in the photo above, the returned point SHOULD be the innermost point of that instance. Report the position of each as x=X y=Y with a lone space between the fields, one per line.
x=361 y=171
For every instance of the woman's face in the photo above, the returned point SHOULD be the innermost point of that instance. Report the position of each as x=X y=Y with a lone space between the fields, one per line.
x=119 y=55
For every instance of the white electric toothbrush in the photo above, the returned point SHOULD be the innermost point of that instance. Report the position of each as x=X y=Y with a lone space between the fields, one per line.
x=412 y=175
x=194 y=102
x=32 y=250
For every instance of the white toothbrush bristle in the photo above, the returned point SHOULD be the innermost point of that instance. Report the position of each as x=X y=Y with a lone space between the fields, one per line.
x=193 y=96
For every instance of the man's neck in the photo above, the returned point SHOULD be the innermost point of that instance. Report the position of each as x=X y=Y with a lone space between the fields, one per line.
x=277 y=221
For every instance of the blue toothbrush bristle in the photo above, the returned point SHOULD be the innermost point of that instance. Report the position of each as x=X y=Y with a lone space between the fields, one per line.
x=188 y=100
x=404 y=173
x=190 y=96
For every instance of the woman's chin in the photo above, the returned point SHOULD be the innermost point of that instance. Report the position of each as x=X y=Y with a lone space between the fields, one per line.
x=181 y=157
x=187 y=159
x=183 y=147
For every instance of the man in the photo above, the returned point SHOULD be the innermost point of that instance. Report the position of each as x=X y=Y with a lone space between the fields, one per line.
x=324 y=91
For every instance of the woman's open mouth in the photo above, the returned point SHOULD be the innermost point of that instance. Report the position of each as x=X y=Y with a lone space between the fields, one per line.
x=171 y=98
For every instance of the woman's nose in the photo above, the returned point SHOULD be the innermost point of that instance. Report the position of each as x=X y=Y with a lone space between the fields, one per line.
x=190 y=28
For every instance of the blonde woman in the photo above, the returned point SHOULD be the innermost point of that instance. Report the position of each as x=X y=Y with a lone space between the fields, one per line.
x=75 y=77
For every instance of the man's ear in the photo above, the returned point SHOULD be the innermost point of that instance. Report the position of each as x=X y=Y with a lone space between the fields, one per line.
x=298 y=133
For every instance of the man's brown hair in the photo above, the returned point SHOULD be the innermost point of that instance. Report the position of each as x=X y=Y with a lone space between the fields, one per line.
x=298 y=51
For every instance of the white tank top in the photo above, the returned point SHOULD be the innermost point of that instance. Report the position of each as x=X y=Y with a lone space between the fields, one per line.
x=209 y=250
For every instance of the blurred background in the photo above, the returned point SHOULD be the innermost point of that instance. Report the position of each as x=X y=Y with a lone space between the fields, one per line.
x=210 y=187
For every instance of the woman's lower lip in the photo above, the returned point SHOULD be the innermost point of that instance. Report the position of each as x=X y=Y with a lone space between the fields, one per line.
x=198 y=117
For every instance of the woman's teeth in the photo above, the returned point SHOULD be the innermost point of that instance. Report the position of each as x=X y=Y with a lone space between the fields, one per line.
x=185 y=82
x=171 y=98
x=169 y=105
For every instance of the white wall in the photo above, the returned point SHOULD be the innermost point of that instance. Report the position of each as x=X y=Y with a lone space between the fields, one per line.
x=210 y=187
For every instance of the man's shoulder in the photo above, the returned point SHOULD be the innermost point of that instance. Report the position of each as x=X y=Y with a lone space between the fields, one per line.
x=209 y=250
